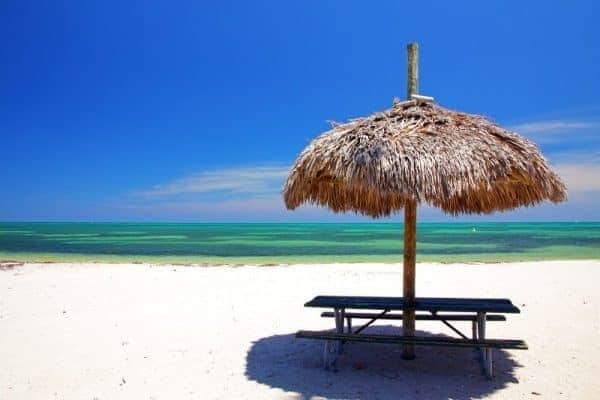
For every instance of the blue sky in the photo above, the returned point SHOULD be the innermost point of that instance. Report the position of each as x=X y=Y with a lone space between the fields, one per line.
x=193 y=111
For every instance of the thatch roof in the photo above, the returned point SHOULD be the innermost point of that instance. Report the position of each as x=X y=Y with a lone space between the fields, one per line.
x=458 y=162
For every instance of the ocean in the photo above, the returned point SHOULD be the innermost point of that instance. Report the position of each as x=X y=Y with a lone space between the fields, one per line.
x=270 y=243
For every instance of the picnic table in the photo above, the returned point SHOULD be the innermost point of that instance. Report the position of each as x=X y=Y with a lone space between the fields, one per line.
x=477 y=311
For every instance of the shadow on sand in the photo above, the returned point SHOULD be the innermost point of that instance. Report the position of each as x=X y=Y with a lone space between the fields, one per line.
x=375 y=371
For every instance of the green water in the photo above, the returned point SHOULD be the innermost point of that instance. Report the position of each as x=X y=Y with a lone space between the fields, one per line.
x=295 y=243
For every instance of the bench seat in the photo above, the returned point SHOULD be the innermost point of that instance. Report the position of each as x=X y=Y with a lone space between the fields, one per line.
x=421 y=317
x=514 y=344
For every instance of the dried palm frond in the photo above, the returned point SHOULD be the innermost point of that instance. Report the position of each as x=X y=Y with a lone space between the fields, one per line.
x=458 y=162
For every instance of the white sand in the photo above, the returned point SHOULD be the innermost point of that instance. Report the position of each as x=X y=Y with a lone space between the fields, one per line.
x=101 y=331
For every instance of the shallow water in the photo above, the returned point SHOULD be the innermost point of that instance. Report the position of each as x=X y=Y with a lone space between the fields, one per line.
x=293 y=243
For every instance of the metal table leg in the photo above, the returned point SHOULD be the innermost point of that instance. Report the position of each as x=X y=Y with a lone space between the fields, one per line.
x=334 y=347
x=481 y=331
x=340 y=315
x=488 y=363
x=486 y=353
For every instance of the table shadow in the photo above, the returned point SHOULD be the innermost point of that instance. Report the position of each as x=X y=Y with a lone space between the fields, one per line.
x=375 y=371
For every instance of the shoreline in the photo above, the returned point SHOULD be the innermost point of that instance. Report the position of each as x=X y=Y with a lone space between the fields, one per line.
x=18 y=263
x=271 y=261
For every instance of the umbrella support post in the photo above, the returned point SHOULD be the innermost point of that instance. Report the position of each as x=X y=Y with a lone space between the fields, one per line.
x=410 y=245
x=410 y=219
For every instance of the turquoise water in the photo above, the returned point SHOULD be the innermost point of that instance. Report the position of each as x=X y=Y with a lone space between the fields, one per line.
x=294 y=243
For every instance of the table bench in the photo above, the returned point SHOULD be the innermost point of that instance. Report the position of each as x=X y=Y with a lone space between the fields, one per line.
x=419 y=317
x=439 y=309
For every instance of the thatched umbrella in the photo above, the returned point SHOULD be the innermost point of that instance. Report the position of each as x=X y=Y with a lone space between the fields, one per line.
x=419 y=152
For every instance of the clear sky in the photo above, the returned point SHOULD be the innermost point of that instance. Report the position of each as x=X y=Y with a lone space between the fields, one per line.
x=193 y=111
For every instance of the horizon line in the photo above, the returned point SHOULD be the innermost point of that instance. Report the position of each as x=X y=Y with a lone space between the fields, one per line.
x=291 y=222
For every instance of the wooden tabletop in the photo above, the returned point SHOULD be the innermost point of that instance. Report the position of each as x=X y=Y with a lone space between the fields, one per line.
x=420 y=304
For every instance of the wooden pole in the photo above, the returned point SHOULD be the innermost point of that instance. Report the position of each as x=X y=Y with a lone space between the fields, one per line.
x=410 y=222
x=412 y=86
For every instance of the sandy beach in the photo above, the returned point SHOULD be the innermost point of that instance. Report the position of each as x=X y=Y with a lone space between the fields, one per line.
x=139 y=331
